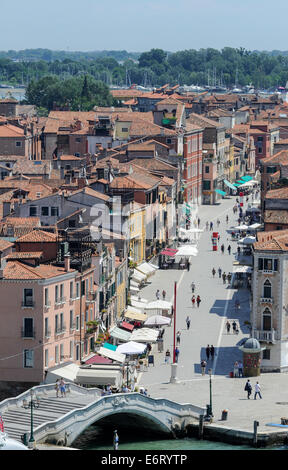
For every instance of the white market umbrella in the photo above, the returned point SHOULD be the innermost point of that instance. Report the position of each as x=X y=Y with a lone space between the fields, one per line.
x=254 y=226
x=157 y=320
x=247 y=241
x=241 y=227
x=131 y=348
x=187 y=250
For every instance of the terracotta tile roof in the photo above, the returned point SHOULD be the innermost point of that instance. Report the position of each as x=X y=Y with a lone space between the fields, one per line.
x=37 y=236
x=281 y=193
x=202 y=121
x=90 y=192
x=17 y=270
x=134 y=181
x=150 y=164
x=27 y=221
x=8 y=130
x=272 y=241
x=276 y=216
x=279 y=157
x=24 y=255
x=70 y=157
x=4 y=244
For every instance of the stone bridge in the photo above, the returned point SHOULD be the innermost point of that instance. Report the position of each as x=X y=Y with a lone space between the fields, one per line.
x=62 y=420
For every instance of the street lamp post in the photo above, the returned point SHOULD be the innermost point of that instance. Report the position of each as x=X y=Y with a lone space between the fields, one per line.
x=33 y=403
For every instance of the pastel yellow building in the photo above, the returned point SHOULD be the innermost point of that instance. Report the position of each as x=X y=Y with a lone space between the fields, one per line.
x=121 y=285
x=137 y=232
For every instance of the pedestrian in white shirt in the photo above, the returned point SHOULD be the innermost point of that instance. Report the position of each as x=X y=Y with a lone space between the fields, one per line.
x=257 y=390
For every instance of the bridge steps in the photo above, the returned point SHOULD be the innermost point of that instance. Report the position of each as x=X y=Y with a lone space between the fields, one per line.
x=17 y=420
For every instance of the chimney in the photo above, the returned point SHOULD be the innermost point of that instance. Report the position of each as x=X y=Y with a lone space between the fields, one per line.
x=67 y=262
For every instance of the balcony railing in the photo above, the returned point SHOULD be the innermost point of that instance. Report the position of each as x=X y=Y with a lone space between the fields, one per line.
x=267 y=336
x=60 y=329
x=60 y=300
x=47 y=304
x=28 y=303
x=28 y=333
x=266 y=300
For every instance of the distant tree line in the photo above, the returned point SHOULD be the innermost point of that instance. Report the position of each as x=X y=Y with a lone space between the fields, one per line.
x=156 y=67
x=75 y=93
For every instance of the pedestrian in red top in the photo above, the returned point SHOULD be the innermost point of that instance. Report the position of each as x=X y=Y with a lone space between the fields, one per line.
x=193 y=301
x=198 y=300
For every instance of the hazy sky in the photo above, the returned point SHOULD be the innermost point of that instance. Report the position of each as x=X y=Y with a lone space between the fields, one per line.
x=139 y=25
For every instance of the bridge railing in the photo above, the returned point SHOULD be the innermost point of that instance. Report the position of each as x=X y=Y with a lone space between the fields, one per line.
x=41 y=390
x=75 y=421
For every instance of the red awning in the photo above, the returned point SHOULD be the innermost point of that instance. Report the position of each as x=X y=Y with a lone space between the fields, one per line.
x=127 y=326
x=98 y=360
x=168 y=253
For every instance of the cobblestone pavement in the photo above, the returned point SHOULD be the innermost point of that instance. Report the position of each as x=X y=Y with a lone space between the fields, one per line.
x=208 y=327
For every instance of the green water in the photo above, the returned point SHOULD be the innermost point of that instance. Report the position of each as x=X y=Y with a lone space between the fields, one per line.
x=97 y=439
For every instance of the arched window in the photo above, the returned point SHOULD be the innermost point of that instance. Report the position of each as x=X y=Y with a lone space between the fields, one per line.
x=267 y=289
x=267 y=319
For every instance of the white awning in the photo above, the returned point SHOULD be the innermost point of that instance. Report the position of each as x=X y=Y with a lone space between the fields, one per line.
x=247 y=241
x=134 y=314
x=90 y=376
x=158 y=305
x=241 y=227
x=254 y=226
x=120 y=334
x=146 y=268
x=186 y=250
x=111 y=355
x=138 y=275
x=137 y=304
x=157 y=320
x=131 y=347
x=142 y=300
x=145 y=335
x=242 y=269
x=68 y=372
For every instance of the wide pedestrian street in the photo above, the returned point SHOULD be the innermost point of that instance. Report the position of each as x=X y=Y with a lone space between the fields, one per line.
x=208 y=327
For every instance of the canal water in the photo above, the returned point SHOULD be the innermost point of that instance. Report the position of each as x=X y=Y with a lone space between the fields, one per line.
x=95 y=438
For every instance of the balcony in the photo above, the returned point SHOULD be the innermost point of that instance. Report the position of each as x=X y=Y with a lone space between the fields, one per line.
x=266 y=300
x=91 y=297
x=47 y=304
x=28 y=303
x=60 y=329
x=266 y=336
x=60 y=301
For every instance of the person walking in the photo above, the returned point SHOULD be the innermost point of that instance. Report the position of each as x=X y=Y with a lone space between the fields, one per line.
x=177 y=352
x=207 y=352
x=228 y=326
x=248 y=389
x=236 y=369
x=218 y=222
x=62 y=388
x=207 y=226
x=178 y=337
x=229 y=277
x=224 y=277
x=193 y=287
x=57 y=387
x=198 y=300
x=257 y=390
x=188 y=265
x=212 y=352
x=198 y=222
x=213 y=272
x=211 y=225
x=240 y=368
x=167 y=356
x=229 y=249
x=219 y=272
x=222 y=249
x=188 y=322
x=115 y=440
x=163 y=294
x=158 y=294
x=203 y=366
x=234 y=326
x=193 y=300
x=227 y=219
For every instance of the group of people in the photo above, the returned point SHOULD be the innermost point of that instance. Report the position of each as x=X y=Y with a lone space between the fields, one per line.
x=158 y=294
x=235 y=328
x=60 y=387
x=194 y=299
x=248 y=388
x=223 y=275
x=238 y=369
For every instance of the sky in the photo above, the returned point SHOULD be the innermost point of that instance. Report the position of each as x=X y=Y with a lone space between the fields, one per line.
x=140 y=25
